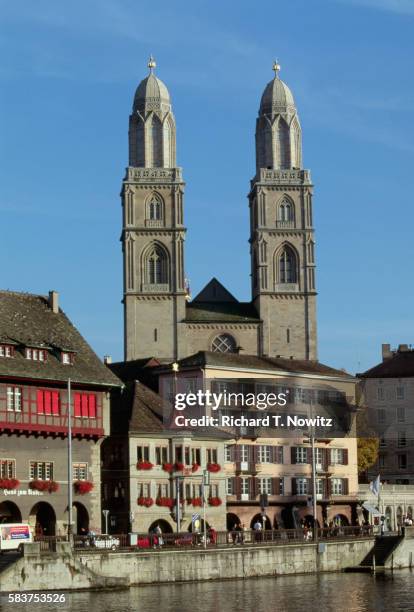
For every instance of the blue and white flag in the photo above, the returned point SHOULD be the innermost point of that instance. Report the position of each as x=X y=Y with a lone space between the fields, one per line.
x=374 y=486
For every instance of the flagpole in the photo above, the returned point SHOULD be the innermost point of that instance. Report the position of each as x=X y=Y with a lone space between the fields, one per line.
x=70 y=474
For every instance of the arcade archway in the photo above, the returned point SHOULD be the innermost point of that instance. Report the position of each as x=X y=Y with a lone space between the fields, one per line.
x=232 y=521
x=80 y=518
x=10 y=513
x=163 y=525
x=43 y=517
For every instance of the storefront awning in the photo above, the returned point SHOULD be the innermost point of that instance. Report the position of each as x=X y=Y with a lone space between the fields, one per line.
x=371 y=509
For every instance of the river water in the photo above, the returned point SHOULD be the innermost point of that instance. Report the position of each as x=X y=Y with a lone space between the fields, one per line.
x=324 y=593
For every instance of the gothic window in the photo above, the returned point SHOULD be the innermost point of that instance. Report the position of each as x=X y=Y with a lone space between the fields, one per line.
x=282 y=145
x=285 y=211
x=156 y=142
x=156 y=266
x=224 y=344
x=287 y=266
x=155 y=209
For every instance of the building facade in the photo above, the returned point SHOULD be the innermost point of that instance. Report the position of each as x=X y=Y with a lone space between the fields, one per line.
x=262 y=460
x=387 y=394
x=158 y=317
x=40 y=350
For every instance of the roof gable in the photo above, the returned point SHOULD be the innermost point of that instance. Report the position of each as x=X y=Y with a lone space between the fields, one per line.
x=214 y=291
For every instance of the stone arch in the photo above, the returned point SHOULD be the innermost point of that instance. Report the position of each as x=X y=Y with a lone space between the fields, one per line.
x=286 y=264
x=281 y=144
x=155 y=264
x=308 y=518
x=42 y=516
x=190 y=526
x=296 y=143
x=232 y=520
x=154 y=207
x=168 y=127
x=10 y=512
x=155 y=141
x=259 y=517
x=162 y=524
x=80 y=518
x=410 y=511
x=388 y=518
x=341 y=520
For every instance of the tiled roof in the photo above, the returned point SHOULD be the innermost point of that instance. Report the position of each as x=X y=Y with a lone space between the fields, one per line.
x=26 y=320
x=146 y=409
x=400 y=365
x=136 y=369
x=234 y=360
x=221 y=312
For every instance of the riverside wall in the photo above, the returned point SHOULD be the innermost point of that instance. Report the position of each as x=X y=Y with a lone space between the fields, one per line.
x=100 y=570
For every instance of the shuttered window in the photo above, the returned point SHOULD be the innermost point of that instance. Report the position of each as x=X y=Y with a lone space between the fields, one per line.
x=48 y=402
x=85 y=405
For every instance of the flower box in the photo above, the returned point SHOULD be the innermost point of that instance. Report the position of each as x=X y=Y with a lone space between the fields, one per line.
x=179 y=467
x=166 y=502
x=82 y=487
x=195 y=501
x=168 y=467
x=44 y=485
x=214 y=501
x=195 y=467
x=9 y=483
x=144 y=465
x=145 y=501
x=213 y=467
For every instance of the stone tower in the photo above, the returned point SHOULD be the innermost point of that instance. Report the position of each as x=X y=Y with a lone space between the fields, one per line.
x=153 y=232
x=282 y=236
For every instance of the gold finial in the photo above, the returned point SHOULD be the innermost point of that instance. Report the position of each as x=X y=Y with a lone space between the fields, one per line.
x=152 y=64
x=276 y=68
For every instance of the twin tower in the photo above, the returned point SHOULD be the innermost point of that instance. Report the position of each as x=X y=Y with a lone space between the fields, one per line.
x=159 y=318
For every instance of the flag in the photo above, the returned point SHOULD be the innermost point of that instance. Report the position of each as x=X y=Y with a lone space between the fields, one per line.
x=374 y=486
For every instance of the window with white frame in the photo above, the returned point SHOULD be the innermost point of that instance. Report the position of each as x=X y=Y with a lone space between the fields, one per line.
x=265 y=453
x=318 y=456
x=211 y=455
x=244 y=486
x=230 y=486
x=41 y=470
x=162 y=489
x=36 y=354
x=265 y=485
x=400 y=393
x=14 y=399
x=402 y=439
x=381 y=415
x=244 y=452
x=319 y=486
x=80 y=471
x=144 y=489
x=142 y=453
x=301 y=454
x=380 y=393
x=402 y=462
x=7 y=468
x=337 y=456
x=225 y=343
x=228 y=453
x=161 y=455
x=382 y=460
x=6 y=350
x=337 y=486
x=301 y=486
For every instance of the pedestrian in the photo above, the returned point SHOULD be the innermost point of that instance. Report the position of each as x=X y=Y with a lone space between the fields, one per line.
x=257 y=528
x=158 y=533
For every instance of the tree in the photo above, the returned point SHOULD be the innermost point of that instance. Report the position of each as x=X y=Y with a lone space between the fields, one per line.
x=367 y=442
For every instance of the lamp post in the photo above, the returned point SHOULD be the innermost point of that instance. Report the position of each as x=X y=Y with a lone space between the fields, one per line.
x=106 y=514
x=206 y=483
x=70 y=472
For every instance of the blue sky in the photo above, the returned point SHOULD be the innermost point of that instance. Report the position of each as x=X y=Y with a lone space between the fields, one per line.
x=68 y=75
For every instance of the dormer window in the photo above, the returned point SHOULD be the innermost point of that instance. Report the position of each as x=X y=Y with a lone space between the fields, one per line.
x=6 y=350
x=36 y=354
x=67 y=357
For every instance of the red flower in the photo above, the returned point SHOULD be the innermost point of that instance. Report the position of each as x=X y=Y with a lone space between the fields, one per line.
x=168 y=467
x=166 y=502
x=195 y=501
x=214 y=501
x=179 y=466
x=44 y=485
x=144 y=465
x=83 y=486
x=9 y=483
x=213 y=467
x=195 y=467
x=145 y=501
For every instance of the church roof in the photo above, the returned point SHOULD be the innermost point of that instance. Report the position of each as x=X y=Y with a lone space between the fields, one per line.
x=151 y=91
x=221 y=312
x=276 y=96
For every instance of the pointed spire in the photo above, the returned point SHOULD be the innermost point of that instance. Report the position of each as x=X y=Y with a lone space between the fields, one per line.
x=152 y=64
x=276 y=68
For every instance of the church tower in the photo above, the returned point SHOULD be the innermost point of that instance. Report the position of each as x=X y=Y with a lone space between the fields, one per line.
x=282 y=236
x=153 y=232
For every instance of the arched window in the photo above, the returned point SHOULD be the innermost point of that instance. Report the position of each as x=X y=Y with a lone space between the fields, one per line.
x=156 y=266
x=224 y=344
x=155 y=209
x=287 y=266
x=285 y=211
x=156 y=143
x=282 y=145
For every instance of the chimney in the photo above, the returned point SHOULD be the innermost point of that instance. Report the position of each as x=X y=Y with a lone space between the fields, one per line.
x=54 y=301
x=107 y=359
x=403 y=348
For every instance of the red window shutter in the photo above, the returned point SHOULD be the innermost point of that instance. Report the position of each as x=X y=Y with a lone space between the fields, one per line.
x=48 y=402
x=78 y=405
x=92 y=405
x=55 y=402
x=345 y=455
x=293 y=454
x=84 y=402
x=40 y=403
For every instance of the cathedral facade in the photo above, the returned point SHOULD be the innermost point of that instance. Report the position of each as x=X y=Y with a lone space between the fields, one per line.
x=159 y=318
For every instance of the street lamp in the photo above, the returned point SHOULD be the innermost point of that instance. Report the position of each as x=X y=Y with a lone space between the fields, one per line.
x=106 y=514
